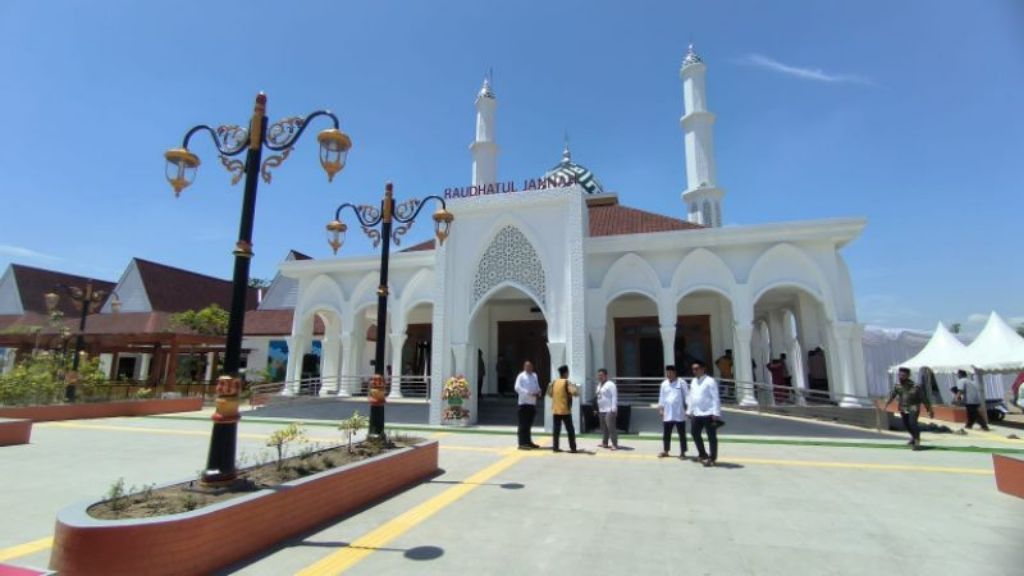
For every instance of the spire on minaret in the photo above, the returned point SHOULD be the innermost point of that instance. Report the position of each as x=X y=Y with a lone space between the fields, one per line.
x=702 y=197
x=566 y=154
x=484 y=148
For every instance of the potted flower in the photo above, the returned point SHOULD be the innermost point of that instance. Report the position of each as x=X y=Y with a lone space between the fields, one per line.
x=455 y=394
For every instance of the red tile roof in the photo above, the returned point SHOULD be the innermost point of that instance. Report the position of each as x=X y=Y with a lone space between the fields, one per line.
x=274 y=323
x=617 y=220
x=34 y=283
x=613 y=219
x=175 y=290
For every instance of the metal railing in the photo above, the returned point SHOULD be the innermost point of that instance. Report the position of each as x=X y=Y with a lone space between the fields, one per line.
x=412 y=387
x=127 y=389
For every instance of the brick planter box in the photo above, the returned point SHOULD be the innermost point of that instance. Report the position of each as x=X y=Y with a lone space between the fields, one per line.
x=205 y=540
x=103 y=409
x=1009 y=474
x=16 y=431
x=955 y=414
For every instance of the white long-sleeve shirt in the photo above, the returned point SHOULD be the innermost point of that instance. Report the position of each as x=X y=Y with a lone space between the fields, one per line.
x=703 y=399
x=527 y=387
x=672 y=400
x=607 y=397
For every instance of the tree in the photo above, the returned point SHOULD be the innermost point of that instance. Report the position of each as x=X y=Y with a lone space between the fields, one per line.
x=210 y=321
x=259 y=283
x=1020 y=329
x=955 y=328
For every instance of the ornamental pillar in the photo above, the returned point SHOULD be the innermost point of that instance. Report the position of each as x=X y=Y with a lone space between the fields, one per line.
x=743 y=371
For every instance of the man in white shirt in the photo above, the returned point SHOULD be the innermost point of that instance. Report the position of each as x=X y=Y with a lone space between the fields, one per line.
x=704 y=408
x=607 y=408
x=528 y=389
x=972 y=399
x=671 y=406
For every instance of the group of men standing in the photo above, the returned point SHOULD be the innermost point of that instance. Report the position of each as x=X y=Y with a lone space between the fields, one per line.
x=678 y=402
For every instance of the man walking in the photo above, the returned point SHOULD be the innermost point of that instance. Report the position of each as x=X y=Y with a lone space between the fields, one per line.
x=705 y=408
x=561 y=392
x=607 y=409
x=971 y=394
x=671 y=406
x=528 y=390
x=911 y=396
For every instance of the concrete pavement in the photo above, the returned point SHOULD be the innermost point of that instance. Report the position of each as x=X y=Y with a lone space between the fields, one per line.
x=777 y=505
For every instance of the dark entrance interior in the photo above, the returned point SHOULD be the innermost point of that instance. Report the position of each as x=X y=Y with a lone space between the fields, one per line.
x=638 y=349
x=523 y=340
x=518 y=341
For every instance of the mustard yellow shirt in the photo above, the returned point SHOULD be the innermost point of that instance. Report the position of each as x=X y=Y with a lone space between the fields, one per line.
x=561 y=392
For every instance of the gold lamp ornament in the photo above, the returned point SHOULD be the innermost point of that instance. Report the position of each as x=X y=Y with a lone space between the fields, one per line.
x=334 y=147
x=181 y=168
x=51 y=298
x=336 y=234
x=442 y=224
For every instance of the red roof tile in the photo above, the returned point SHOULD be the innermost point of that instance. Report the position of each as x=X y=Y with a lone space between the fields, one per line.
x=613 y=219
x=34 y=283
x=616 y=220
x=175 y=290
x=274 y=323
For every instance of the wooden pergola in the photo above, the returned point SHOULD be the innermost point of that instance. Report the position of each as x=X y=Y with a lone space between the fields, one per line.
x=165 y=348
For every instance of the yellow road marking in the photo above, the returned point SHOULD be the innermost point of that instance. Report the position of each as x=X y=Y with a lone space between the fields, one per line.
x=365 y=545
x=26 y=548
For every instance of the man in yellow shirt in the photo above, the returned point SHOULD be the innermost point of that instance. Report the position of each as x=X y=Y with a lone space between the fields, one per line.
x=561 y=392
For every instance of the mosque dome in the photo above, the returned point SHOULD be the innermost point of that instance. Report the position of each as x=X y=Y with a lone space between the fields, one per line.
x=571 y=170
x=691 y=57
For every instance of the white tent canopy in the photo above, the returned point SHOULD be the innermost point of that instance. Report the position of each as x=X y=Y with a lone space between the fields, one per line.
x=944 y=354
x=998 y=348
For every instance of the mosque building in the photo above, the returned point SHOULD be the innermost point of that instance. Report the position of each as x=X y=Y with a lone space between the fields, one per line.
x=559 y=271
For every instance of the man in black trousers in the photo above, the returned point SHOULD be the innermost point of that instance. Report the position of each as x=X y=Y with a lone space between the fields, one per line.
x=528 y=389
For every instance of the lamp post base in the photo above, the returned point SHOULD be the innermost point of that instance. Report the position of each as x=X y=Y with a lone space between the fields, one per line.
x=376 y=420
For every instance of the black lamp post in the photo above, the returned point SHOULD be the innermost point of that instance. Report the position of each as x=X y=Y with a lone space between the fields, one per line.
x=86 y=301
x=182 y=164
x=369 y=217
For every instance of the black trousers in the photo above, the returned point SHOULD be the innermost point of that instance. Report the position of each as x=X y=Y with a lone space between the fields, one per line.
x=910 y=423
x=526 y=414
x=974 y=416
x=666 y=436
x=569 y=428
x=701 y=423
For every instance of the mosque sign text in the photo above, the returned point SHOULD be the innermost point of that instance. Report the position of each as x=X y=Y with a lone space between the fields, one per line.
x=554 y=181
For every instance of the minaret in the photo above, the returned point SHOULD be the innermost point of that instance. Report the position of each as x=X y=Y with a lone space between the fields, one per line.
x=484 y=149
x=702 y=197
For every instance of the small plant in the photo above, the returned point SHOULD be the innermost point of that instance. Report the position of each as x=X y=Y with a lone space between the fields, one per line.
x=116 y=496
x=351 y=426
x=281 y=439
x=143 y=394
x=189 y=501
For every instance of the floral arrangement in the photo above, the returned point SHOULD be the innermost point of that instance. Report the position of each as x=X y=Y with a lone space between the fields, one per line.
x=455 y=391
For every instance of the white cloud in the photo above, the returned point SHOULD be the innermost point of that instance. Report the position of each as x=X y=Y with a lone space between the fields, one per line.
x=977 y=319
x=22 y=252
x=817 y=74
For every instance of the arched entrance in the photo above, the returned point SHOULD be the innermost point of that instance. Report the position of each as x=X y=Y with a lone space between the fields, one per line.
x=793 y=347
x=507 y=329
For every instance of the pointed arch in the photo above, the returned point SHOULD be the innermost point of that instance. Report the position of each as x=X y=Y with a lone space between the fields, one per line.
x=497 y=288
x=702 y=269
x=418 y=290
x=630 y=274
x=323 y=294
x=785 y=265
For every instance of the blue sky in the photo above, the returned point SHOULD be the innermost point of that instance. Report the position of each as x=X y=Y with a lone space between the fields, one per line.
x=908 y=113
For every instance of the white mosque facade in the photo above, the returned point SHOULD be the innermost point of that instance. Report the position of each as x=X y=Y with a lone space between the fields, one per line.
x=565 y=274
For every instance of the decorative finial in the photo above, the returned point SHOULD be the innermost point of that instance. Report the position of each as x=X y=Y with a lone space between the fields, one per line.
x=485 y=90
x=566 y=154
x=691 y=57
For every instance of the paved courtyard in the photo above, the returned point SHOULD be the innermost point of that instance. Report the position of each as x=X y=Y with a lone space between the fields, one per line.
x=775 y=505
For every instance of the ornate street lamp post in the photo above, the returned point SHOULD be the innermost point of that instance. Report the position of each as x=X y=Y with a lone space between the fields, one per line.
x=369 y=217
x=182 y=164
x=86 y=301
